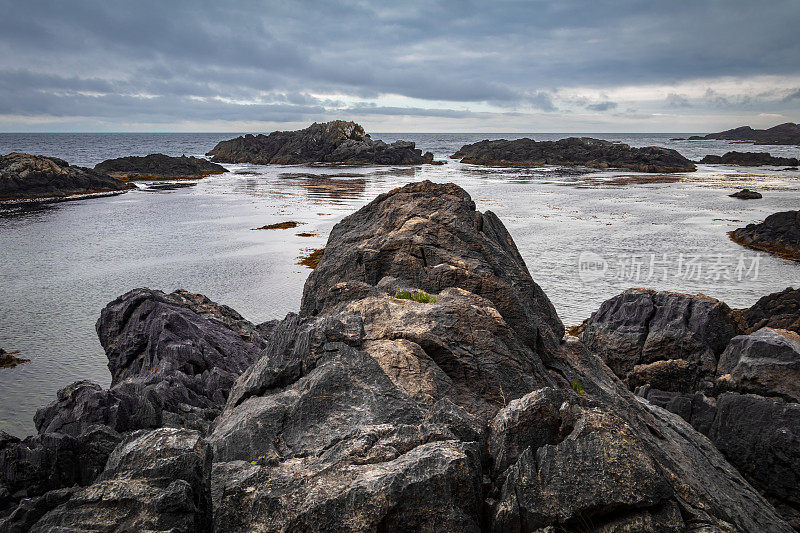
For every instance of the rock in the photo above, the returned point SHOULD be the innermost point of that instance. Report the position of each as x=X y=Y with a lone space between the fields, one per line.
x=778 y=234
x=674 y=339
x=749 y=159
x=10 y=360
x=780 y=310
x=329 y=142
x=766 y=362
x=787 y=133
x=157 y=167
x=26 y=177
x=433 y=239
x=746 y=194
x=583 y=151
x=154 y=480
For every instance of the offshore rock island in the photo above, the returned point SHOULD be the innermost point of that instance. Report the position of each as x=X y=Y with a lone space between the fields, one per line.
x=466 y=411
x=573 y=151
x=330 y=142
x=787 y=133
x=778 y=234
x=158 y=167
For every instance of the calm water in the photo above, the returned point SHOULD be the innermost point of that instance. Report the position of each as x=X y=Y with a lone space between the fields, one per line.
x=61 y=263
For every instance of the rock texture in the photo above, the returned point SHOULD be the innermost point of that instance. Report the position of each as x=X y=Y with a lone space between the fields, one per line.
x=330 y=142
x=749 y=159
x=583 y=151
x=25 y=176
x=778 y=234
x=746 y=194
x=173 y=359
x=157 y=167
x=787 y=133
x=9 y=359
x=746 y=403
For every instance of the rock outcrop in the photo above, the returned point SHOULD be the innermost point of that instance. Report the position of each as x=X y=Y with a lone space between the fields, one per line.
x=10 y=359
x=751 y=382
x=158 y=167
x=749 y=159
x=746 y=194
x=330 y=142
x=574 y=151
x=778 y=234
x=464 y=411
x=787 y=133
x=27 y=177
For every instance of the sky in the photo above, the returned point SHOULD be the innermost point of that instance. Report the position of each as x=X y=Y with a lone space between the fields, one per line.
x=466 y=66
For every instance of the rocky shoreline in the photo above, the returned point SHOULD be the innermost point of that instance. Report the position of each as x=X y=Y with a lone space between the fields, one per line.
x=330 y=142
x=787 y=133
x=466 y=411
x=34 y=177
x=750 y=159
x=778 y=234
x=574 y=151
x=158 y=167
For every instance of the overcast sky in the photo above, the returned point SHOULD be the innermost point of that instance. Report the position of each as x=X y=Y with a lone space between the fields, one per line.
x=493 y=66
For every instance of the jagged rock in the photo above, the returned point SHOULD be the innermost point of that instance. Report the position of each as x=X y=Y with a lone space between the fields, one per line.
x=154 y=480
x=749 y=159
x=666 y=334
x=787 y=133
x=746 y=194
x=158 y=166
x=780 y=310
x=778 y=234
x=26 y=176
x=330 y=142
x=429 y=236
x=10 y=360
x=583 y=151
x=766 y=362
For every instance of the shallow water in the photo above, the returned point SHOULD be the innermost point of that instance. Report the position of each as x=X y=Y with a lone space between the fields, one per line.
x=61 y=263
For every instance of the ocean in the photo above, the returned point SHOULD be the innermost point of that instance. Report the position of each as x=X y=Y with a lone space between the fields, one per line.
x=585 y=235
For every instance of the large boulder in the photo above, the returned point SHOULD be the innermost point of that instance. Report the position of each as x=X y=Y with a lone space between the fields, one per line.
x=574 y=151
x=26 y=176
x=778 y=234
x=779 y=310
x=158 y=166
x=330 y=142
x=676 y=339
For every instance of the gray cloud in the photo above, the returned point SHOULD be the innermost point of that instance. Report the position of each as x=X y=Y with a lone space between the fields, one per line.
x=602 y=106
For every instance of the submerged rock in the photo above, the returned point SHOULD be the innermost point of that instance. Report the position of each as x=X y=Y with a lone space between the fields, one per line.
x=787 y=133
x=583 y=151
x=25 y=177
x=749 y=159
x=157 y=167
x=778 y=234
x=330 y=142
x=746 y=194
x=10 y=359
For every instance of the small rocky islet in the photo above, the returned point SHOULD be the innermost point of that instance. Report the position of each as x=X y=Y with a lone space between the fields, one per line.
x=158 y=167
x=787 y=133
x=750 y=159
x=779 y=233
x=472 y=412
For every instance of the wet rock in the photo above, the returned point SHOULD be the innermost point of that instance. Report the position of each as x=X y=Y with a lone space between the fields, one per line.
x=583 y=151
x=330 y=142
x=10 y=360
x=643 y=334
x=746 y=194
x=749 y=159
x=158 y=166
x=778 y=234
x=787 y=133
x=154 y=480
x=26 y=176
x=780 y=310
x=766 y=362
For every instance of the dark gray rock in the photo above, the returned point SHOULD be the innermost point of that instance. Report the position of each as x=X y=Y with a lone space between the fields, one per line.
x=25 y=176
x=154 y=480
x=780 y=310
x=778 y=234
x=746 y=194
x=158 y=166
x=787 y=133
x=330 y=142
x=574 y=151
x=749 y=159
x=667 y=338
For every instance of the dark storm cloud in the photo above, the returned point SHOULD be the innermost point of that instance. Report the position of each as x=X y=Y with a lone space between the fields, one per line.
x=255 y=61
